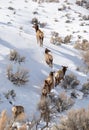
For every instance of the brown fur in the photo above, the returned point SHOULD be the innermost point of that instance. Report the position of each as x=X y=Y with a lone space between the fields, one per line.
x=49 y=82
x=59 y=75
x=48 y=58
x=16 y=110
x=39 y=35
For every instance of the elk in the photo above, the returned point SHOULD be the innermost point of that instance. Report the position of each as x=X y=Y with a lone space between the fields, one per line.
x=17 y=110
x=59 y=75
x=49 y=82
x=48 y=58
x=39 y=35
x=45 y=89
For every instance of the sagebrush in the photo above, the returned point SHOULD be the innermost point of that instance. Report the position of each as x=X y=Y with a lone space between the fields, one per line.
x=20 y=77
x=61 y=102
x=86 y=57
x=70 y=81
x=75 y=120
x=82 y=45
x=15 y=56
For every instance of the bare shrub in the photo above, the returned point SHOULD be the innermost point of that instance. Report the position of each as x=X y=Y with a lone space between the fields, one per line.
x=40 y=1
x=85 y=88
x=68 y=21
x=75 y=120
x=84 y=45
x=15 y=56
x=10 y=94
x=62 y=7
x=11 y=8
x=20 y=77
x=86 y=57
x=61 y=102
x=79 y=2
x=87 y=5
x=52 y=0
x=70 y=81
x=86 y=17
x=35 y=12
x=55 y=39
x=67 y=39
x=45 y=111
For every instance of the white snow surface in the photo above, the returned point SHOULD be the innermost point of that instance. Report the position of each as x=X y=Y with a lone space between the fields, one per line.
x=24 y=41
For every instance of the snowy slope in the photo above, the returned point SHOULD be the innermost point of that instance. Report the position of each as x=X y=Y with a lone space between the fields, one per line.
x=24 y=41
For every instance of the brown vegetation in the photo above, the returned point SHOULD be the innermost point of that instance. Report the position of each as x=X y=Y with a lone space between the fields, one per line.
x=76 y=120
x=70 y=81
x=82 y=45
x=18 y=78
x=86 y=57
x=15 y=56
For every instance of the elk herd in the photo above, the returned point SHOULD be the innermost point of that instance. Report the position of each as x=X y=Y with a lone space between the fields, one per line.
x=52 y=80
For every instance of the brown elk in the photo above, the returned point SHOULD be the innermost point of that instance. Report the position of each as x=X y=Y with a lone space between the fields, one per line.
x=45 y=89
x=59 y=75
x=17 y=110
x=39 y=34
x=48 y=84
x=48 y=57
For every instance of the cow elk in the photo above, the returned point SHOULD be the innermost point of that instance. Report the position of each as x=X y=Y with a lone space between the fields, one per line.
x=48 y=58
x=59 y=75
x=39 y=35
x=49 y=82
x=17 y=110
x=46 y=88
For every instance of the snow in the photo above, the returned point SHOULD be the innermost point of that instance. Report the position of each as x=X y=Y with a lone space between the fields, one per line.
x=24 y=41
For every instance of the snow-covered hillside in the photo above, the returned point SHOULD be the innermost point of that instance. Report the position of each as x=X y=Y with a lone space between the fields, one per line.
x=16 y=32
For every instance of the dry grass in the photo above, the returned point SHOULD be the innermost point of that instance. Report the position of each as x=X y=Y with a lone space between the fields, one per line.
x=82 y=45
x=15 y=56
x=86 y=57
x=55 y=39
x=67 y=39
x=85 y=88
x=75 y=120
x=3 y=120
x=43 y=106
